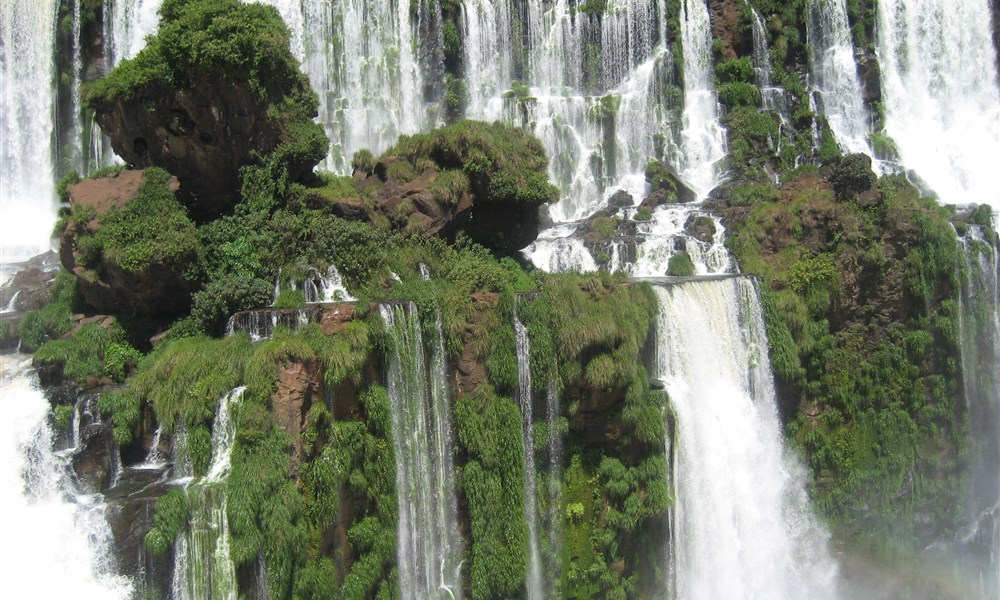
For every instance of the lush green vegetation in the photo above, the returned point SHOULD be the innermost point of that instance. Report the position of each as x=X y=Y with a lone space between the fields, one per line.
x=151 y=229
x=862 y=319
x=502 y=163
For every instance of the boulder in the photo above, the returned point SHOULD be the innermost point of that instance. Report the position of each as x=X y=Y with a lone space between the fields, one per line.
x=160 y=286
x=202 y=135
x=29 y=288
x=666 y=186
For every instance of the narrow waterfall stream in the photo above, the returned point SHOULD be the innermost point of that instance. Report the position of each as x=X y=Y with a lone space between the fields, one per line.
x=57 y=540
x=979 y=539
x=835 y=74
x=743 y=527
x=203 y=568
x=534 y=580
x=429 y=549
x=941 y=95
x=704 y=138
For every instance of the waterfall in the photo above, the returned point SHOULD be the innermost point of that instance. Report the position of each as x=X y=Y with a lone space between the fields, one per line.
x=533 y=582
x=979 y=539
x=429 y=548
x=743 y=527
x=588 y=89
x=554 y=446
x=704 y=138
x=27 y=116
x=942 y=104
x=835 y=74
x=126 y=25
x=57 y=541
x=203 y=568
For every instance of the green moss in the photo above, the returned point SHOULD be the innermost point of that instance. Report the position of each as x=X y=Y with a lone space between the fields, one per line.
x=680 y=265
x=364 y=466
x=52 y=320
x=736 y=70
x=503 y=163
x=736 y=94
x=63 y=416
x=153 y=228
x=93 y=351
x=489 y=430
x=169 y=521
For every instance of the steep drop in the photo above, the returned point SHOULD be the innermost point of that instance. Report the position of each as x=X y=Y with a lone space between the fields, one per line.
x=742 y=524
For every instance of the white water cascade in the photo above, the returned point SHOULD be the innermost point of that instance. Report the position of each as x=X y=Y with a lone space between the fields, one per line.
x=834 y=75
x=57 y=542
x=429 y=548
x=126 y=25
x=703 y=137
x=203 y=568
x=27 y=117
x=589 y=87
x=743 y=527
x=942 y=103
x=979 y=537
x=534 y=584
x=364 y=61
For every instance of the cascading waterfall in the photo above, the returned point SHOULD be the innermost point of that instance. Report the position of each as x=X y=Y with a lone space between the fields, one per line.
x=703 y=137
x=126 y=25
x=979 y=540
x=364 y=61
x=743 y=527
x=589 y=89
x=57 y=540
x=942 y=103
x=429 y=549
x=203 y=568
x=834 y=75
x=533 y=581
x=27 y=116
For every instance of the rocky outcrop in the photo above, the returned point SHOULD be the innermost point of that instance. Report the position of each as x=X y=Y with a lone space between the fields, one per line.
x=724 y=16
x=203 y=135
x=115 y=190
x=298 y=387
x=29 y=288
x=666 y=186
x=157 y=286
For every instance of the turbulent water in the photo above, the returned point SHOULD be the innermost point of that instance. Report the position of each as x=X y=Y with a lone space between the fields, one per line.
x=429 y=547
x=57 y=543
x=942 y=103
x=979 y=538
x=743 y=527
x=27 y=118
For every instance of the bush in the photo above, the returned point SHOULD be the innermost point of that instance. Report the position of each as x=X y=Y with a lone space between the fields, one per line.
x=732 y=95
x=680 y=265
x=852 y=176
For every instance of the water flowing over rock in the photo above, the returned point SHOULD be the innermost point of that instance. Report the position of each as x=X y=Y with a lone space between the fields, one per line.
x=429 y=547
x=978 y=542
x=742 y=524
x=835 y=74
x=940 y=88
x=27 y=103
x=63 y=542
x=203 y=567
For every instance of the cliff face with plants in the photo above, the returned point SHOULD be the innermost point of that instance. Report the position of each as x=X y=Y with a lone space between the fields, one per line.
x=546 y=380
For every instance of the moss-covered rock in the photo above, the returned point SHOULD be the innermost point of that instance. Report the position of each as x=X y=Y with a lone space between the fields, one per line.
x=214 y=88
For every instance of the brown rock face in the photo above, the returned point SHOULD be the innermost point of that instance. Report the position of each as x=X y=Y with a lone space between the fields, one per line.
x=724 y=16
x=112 y=191
x=203 y=135
x=298 y=388
x=29 y=288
